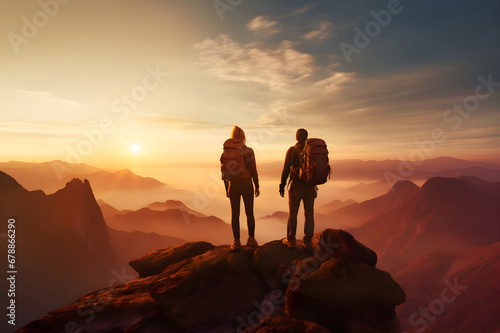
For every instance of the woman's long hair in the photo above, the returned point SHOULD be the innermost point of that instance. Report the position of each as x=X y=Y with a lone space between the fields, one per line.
x=238 y=134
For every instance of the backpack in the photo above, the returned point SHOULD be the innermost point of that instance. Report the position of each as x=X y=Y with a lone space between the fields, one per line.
x=233 y=162
x=314 y=166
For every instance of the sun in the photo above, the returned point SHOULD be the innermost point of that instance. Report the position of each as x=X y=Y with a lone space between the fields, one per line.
x=135 y=148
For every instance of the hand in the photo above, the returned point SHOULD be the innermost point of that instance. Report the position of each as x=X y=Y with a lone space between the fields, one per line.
x=282 y=190
x=257 y=192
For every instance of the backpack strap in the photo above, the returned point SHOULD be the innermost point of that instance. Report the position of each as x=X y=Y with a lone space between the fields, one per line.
x=293 y=169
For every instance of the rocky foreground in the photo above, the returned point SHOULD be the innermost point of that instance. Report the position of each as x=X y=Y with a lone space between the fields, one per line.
x=197 y=287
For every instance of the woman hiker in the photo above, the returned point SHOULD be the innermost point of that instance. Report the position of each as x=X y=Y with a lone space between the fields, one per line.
x=238 y=171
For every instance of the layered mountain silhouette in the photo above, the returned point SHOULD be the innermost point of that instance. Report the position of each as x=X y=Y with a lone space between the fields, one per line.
x=49 y=176
x=174 y=204
x=334 y=205
x=119 y=188
x=63 y=245
x=123 y=180
x=108 y=210
x=173 y=222
x=444 y=215
x=359 y=170
x=356 y=214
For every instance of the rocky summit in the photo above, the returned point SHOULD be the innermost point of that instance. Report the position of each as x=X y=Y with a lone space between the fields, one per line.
x=197 y=287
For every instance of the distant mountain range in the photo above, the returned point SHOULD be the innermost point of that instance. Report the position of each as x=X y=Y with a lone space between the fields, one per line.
x=121 y=188
x=444 y=215
x=360 y=170
x=173 y=222
x=50 y=176
x=351 y=180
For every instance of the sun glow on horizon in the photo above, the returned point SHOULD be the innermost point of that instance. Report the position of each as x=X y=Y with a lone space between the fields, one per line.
x=136 y=148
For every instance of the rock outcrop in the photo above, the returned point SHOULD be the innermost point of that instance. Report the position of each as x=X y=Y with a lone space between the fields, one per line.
x=337 y=243
x=155 y=262
x=196 y=287
x=340 y=292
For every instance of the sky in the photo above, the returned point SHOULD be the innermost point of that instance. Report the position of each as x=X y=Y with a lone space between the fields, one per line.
x=153 y=84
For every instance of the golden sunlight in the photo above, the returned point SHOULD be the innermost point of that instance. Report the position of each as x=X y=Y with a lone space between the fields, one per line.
x=135 y=148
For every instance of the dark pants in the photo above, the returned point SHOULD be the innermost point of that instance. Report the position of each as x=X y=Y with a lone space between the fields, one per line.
x=236 y=191
x=297 y=193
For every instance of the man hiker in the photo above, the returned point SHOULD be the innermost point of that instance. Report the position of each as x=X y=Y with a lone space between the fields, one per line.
x=298 y=191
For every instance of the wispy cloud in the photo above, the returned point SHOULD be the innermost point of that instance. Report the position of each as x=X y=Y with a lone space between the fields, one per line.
x=263 y=26
x=299 y=11
x=275 y=68
x=324 y=31
x=48 y=96
x=42 y=129
x=334 y=82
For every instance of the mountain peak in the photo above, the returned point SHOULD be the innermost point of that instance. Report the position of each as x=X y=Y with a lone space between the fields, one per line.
x=125 y=172
x=78 y=184
x=402 y=187
x=443 y=184
x=9 y=183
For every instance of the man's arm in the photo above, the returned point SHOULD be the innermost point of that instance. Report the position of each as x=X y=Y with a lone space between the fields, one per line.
x=286 y=167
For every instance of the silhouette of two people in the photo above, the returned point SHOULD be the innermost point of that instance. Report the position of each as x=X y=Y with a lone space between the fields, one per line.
x=239 y=172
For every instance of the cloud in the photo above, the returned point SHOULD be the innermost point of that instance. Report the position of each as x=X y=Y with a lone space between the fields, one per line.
x=324 y=31
x=275 y=68
x=43 y=128
x=263 y=26
x=334 y=82
x=299 y=11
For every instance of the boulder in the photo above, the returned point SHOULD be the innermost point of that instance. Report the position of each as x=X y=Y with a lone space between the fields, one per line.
x=340 y=291
x=338 y=243
x=274 y=259
x=216 y=287
x=286 y=325
x=155 y=262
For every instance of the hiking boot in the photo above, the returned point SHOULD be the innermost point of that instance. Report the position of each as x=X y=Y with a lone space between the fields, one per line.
x=236 y=245
x=291 y=243
x=308 y=245
x=252 y=242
